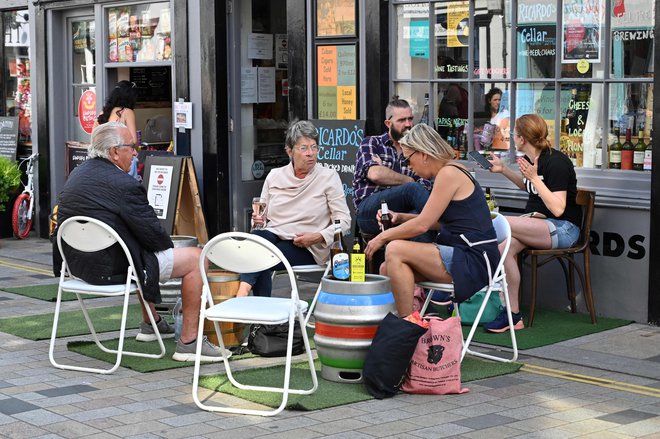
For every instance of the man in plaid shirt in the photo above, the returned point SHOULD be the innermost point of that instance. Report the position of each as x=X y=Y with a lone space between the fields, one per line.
x=382 y=173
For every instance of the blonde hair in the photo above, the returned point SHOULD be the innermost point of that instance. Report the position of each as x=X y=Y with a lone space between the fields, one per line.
x=425 y=139
x=533 y=129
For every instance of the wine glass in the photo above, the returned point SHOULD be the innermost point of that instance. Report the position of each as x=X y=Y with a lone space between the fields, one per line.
x=259 y=209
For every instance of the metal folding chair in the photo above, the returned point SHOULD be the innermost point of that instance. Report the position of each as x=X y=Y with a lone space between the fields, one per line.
x=90 y=235
x=246 y=253
x=305 y=269
x=497 y=282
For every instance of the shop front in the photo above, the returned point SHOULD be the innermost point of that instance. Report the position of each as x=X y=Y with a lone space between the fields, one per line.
x=587 y=68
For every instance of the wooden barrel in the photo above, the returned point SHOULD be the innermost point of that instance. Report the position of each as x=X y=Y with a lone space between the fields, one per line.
x=224 y=285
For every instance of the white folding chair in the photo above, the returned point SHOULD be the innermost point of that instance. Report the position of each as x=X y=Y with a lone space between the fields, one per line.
x=90 y=235
x=246 y=253
x=305 y=269
x=497 y=282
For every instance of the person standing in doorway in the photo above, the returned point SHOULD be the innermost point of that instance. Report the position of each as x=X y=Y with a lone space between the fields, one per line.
x=120 y=107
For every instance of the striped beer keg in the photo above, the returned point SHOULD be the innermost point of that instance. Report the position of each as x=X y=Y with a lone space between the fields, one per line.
x=347 y=316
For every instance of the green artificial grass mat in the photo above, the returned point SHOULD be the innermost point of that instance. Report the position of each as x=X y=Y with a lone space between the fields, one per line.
x=40 y=326
x=44 y=292
x=549 y=327
x=329 y=393
x=89 y=349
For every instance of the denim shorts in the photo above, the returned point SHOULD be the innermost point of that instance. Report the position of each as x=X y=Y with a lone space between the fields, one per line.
x=447 y=255
x=563 y=234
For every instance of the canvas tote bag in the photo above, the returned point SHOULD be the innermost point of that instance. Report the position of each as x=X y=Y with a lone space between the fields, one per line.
x=435 y=367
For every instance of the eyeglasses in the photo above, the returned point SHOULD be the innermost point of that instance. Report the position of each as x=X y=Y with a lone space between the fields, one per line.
x=305 y=148
x=407 y=159
x=127 y=145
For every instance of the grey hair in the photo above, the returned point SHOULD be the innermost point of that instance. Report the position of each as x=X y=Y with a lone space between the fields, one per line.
x=298 y=129
x=425 y=139
x=105 y=137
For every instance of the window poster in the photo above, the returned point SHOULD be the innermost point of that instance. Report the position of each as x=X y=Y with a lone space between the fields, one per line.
x=419 y=39
x=581 y=30
x=458 y=14
x=158 y=191
x=337 y=82
x=335 y=18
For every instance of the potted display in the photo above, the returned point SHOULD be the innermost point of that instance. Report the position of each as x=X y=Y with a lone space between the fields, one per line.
x=10 y=178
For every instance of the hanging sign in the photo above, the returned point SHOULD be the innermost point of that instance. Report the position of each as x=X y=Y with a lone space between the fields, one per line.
x=87 y=110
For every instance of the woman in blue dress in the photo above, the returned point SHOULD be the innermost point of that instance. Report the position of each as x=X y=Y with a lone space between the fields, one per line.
x=457 y=209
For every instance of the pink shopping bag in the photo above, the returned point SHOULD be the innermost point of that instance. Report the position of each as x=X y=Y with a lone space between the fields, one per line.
x=435 y=367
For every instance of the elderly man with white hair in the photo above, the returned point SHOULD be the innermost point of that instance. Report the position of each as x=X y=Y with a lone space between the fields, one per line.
x=102 y=189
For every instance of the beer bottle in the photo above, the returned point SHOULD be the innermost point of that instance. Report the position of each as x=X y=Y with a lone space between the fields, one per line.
x=648 y=154
x=640 y=152
x=615 y=151
x=340 y=265
x=425 y=119
x=385 y=217
x=358 y=261
x=627 y=151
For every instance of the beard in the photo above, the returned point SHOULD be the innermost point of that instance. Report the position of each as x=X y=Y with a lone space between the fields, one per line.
x=397 y=135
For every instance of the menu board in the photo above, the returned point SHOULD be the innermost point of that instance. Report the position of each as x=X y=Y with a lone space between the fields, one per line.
x=8 y=137
x=339 y=141
x=153 y=84
x=337 y=78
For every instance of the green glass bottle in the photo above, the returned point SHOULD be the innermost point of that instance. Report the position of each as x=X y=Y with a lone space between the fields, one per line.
x=615 y=151
x=638 y=154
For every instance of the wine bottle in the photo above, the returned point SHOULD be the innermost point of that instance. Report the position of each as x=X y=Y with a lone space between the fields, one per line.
x=627 y=151
x=640 y=152
x=648 y=154
x=615 y=151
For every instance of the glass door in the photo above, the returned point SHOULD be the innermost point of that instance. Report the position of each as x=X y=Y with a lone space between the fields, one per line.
x=81 y=77
x=261 y=103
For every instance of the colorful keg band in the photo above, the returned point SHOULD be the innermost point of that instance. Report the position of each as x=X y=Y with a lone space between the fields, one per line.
x=342 y=363
x=355 y=300
x=366 y=332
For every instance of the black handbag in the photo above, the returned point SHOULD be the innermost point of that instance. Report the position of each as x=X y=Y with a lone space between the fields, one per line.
x=389 y=356
x=270 y=340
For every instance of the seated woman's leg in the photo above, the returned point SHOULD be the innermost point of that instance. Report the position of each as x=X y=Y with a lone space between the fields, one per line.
x=257 y=281
x=407 y=262
x=525 y=232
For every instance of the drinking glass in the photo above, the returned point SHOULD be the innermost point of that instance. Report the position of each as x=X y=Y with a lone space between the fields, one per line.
x=259 y=208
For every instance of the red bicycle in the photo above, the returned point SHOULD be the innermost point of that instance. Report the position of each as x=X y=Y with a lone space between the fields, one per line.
x=21 y=218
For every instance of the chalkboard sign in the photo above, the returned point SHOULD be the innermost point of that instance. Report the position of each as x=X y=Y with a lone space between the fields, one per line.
x=8 y=137
x=153 y=84
x=76 y=154
x=339 y=141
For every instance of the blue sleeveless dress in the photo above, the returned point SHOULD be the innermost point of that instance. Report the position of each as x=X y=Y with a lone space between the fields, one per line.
x=466 y=225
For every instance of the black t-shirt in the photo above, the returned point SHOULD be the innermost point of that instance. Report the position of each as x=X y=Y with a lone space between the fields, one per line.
x=557 y=172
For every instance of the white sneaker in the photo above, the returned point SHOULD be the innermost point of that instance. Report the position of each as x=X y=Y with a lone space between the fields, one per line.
x=147 y=332
x=210 y=352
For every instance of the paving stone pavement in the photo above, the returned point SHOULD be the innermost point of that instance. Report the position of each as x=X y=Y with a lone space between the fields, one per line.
x=605 y=385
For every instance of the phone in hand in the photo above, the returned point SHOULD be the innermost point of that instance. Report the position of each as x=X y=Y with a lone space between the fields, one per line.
x=480 y=159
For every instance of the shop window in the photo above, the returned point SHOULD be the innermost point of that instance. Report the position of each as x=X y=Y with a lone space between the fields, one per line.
x=139 y=33
x=451 y=34
x=538 y=98
x=15 y=73
x=492 y=39
x=632 y=40
x=492 y=117
x=412 y=41
x=629 y=115
x=582 y=39
x=537 y=43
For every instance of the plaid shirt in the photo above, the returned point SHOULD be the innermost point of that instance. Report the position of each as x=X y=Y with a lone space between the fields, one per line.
x=383 y=147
